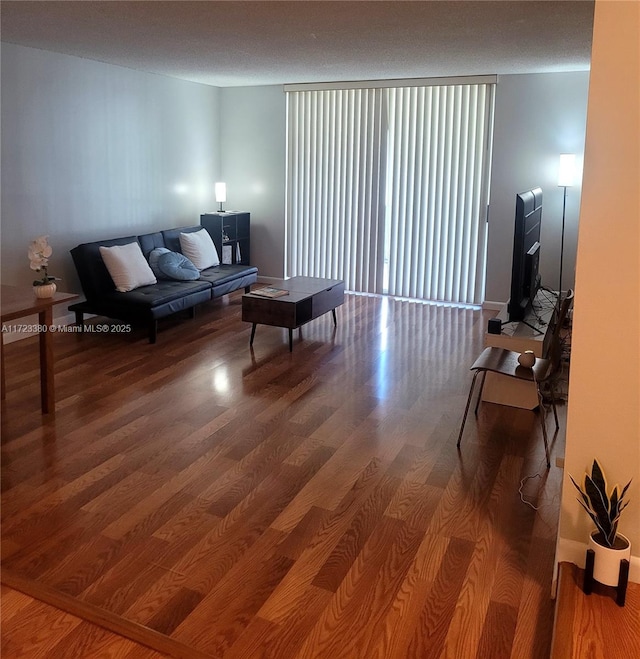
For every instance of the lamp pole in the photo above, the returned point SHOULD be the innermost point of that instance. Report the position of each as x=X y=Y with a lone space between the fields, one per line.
x=564 y=208
x=565 y=179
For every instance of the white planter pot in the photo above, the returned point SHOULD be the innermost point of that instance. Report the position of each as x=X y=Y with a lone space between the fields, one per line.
x=46 y=290
x=606 y=565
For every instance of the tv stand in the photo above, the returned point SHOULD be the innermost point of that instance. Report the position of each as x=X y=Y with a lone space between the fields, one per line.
x=533 y=332
x=533 y=327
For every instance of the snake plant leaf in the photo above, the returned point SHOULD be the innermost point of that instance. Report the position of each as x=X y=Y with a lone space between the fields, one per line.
x=603 y=508
x=594 y=518
x=624 y=490
x=614 y=501
x=598 y=477
x=617 y=505
x=598 y=501
x=585 y=498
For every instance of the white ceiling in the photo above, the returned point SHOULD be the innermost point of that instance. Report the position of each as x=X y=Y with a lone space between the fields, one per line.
x=270 y=42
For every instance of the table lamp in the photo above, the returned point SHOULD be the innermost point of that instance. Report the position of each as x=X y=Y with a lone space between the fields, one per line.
x=221 y=194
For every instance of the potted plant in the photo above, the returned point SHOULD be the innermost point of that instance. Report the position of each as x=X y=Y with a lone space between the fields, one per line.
x=604 y=506
x=39 y=253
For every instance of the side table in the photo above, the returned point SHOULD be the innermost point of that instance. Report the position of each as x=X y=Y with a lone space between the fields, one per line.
x=19 y=302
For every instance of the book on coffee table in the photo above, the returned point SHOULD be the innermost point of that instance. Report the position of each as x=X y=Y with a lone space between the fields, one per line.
x=269 y=291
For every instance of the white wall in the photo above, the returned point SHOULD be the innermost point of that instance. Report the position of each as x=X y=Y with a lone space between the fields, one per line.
x=253 y=144
x=604 y=404
x=91 y=151
x=537 y=117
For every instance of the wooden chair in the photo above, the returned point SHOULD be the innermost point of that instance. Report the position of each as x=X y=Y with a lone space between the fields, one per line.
x=505 y=362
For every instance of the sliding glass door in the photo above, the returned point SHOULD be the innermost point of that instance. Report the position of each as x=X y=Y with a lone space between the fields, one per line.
x=388 y=188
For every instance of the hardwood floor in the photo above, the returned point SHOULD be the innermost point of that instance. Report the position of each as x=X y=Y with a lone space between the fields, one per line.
x=209 y=500
x=594 y=625
x=31 y=628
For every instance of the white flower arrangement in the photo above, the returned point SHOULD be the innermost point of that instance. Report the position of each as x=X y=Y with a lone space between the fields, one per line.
x=39 y=253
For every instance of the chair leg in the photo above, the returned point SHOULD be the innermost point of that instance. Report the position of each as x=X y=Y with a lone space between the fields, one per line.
x=484 y=377
x=544 y=427
x=466 y=409
x=552 y=391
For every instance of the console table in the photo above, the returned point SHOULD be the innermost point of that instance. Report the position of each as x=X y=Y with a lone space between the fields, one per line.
x=532 y=333
x=307 y=298
x=20 y=302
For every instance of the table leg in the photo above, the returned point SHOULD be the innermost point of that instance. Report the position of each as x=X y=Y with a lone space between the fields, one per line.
x=623 y=582
x=253 y=333
x=335 y=322
x=587 y=585
x=290 y=340
x=3 y=383
x=47 y=387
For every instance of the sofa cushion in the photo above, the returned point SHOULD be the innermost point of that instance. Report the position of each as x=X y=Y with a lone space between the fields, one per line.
x=162 y=293
x=127 y=266
x=153 y=257
x=94 y=276
x=171 y=237
x=198 y=247
x=150 y=241
x=173 y=265
x=222 y=274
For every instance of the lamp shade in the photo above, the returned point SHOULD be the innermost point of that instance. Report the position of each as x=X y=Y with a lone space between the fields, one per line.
x=567 y=170
x=221 y=192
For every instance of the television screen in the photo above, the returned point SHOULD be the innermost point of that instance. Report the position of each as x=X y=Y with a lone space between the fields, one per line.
x=531 y=277
x=525 y=279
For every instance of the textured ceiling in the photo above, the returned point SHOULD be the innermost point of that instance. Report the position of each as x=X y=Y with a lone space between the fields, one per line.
x=270 y=42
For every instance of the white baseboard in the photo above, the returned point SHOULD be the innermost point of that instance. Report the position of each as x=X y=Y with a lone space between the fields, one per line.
x=488 y=305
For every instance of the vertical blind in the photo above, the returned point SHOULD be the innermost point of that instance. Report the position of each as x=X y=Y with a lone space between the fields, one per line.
x=387 y=188
x=335 y=182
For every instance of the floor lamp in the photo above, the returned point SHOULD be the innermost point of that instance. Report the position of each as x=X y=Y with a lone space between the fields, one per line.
x=565 y=180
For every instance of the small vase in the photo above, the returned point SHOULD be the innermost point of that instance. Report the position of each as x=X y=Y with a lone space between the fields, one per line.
x=606 y=565
x=45 y=290
x=527 y=359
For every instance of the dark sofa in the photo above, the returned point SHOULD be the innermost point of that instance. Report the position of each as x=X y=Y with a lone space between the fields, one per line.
x=147 y=304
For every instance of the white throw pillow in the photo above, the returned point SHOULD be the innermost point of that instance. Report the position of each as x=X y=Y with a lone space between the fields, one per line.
x=198 y=247
x=127 y=266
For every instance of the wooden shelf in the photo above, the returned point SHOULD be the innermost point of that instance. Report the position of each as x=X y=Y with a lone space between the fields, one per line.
x=230 y=233
x=533 y=333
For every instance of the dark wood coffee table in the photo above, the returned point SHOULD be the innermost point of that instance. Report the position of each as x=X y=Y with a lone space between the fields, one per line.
x=306 y=299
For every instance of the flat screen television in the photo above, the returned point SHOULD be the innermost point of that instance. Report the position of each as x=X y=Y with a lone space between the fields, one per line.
x=525 y=279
